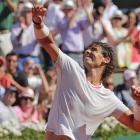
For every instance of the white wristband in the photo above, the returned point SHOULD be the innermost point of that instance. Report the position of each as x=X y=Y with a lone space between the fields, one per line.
x=42 y=32
x=137 y=112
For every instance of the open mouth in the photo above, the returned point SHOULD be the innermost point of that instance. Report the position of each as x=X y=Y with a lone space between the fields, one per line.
x=89 y=57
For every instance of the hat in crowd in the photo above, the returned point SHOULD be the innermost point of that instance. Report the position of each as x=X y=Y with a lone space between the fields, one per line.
x=129 y=74
x=137 y=10
x=2 y=61
x=28 y=59
x=119 y=15
x=28 y=93
x=68 y=4
x=27 y=6
x=11 y=89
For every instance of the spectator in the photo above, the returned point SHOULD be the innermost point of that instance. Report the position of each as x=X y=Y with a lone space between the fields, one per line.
x=123 y=91
x=54 y=10
x=70 y=29
x=6 y=111
x=17 y=14
x=5 y=80
x=86 y=9
x=110 y=9
x=20 y=78
x=138 y=73
x=36 y=78
x=95 y=31
x=12 y=62
x=108 y=83
x=6 y=21
x=23 y=37
x=26 y=112
x=119 y=38
x=135 y=36
x=51 y=78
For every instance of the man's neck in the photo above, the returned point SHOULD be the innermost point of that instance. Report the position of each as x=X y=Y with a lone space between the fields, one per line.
x=94 y=77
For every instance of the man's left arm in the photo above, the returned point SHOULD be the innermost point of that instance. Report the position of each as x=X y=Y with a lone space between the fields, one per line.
x=132 y=119
x=13 y=5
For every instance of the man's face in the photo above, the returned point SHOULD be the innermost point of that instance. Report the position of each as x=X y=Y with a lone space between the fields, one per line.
x=27 y=15
x=29 y=67
x=9 y=98
x=93 y=57
x=69 y=12
x=12 y=62
x=132 y=81
x=116 y=22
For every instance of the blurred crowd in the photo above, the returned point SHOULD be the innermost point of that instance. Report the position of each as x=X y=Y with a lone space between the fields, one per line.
x=27 y=73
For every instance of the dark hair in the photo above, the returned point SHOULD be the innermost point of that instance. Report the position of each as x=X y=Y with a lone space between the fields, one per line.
x=11 y=90
x=128 y=14
x=12 y=53
x=107 y=51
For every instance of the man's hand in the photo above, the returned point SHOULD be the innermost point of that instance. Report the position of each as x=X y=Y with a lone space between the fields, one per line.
x=42 y=32
x=38 y=14
x=136 y=93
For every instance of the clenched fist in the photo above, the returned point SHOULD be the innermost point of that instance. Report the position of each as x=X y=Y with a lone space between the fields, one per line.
x=38 y=14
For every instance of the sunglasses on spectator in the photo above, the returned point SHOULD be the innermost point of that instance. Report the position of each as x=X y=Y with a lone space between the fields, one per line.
x=27 y=98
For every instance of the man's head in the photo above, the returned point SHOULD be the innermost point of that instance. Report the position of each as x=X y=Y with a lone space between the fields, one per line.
x=130 y=77
x=99 y=56
x=29 y=66
x=27 y=98
x=27 y=13
x=118 y=19
x=12 y=61
x=108 y=83
x=9 y=96
x=68 y=7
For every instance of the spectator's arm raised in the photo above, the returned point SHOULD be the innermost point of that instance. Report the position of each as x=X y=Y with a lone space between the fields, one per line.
x=12 y=5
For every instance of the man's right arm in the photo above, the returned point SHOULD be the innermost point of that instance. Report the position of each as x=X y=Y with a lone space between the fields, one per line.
x=42 y=32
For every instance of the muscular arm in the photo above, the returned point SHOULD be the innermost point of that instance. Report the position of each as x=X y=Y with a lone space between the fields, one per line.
x=48 y=44
x=129 y=118
x=42 y=32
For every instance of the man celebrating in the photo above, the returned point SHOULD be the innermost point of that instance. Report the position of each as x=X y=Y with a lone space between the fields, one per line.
x=81 y=102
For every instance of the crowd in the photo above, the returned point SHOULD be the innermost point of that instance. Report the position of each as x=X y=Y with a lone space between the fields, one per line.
x=27 y=73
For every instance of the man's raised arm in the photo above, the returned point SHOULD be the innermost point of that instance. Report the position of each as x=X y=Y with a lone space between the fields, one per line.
x=42 y=32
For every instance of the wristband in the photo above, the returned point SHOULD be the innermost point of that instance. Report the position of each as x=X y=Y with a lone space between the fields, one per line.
x=41 y=32
x=36 y=23
x=137 y=112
